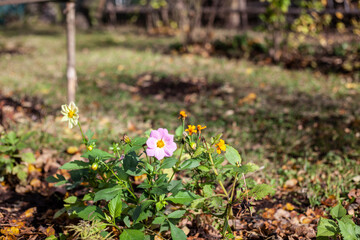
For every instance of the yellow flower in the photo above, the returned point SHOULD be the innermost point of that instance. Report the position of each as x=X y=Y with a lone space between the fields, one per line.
x=71 y=114
x=191 y=129
x=220 y=146
x=199 y=128
x=182 y=114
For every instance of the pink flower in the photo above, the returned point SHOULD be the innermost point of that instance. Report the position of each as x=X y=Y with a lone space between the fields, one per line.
x=160 y=144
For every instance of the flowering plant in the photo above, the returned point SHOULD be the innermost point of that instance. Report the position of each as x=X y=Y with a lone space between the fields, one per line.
x=156 y=205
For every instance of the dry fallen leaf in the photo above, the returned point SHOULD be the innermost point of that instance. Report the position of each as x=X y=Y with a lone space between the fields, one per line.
x=10 y=231
x=330 y=201
x=140 y=179
x=289 y=207
x=251 y=97
x=35 y=183
x=50 y=231
x=306 y=220
x=32 y=168
x=120 y=68
x=72 y=150
x=269 y=213
x=28 y=213
x=290 y=183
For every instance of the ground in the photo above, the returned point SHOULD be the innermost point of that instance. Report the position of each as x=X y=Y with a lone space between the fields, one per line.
x=302 y=127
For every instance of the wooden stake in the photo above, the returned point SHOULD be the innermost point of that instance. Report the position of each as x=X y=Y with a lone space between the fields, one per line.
x=70 y=37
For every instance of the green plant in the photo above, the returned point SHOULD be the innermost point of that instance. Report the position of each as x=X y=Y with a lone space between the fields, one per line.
x=94 y=230
x=275 y=20
x=341 y=224
x=139 y=211
x=11 y=159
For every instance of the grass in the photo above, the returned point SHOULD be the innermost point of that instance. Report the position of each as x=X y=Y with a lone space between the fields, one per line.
x=300 y=123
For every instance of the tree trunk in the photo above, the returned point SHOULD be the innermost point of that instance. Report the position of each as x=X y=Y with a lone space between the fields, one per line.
x=194 y=15
x=100 y=10
x=234 y=17
x=244 y=16
x=165 y=15
x=70 y=37
x=210 y=24
x=149 y=24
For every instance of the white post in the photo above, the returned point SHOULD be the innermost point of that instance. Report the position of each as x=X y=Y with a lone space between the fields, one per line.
x=70 y=37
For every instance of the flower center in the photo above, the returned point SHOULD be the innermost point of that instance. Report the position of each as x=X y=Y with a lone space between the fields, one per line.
x=160 y=143
x=71 y=114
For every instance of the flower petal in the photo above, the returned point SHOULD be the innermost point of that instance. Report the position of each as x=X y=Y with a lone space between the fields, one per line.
x=150 y=152
x=169 y=149
x=159 y=153
x=168 y=138
x=155 y=134
x=163 y=132
x=151 y=142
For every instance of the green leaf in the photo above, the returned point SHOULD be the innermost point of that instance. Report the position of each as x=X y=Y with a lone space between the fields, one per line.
x=59 y=213
x=74 y=165
x=132 y=234
x=28 y=157
x=5 y=148
x=53 y=179
x=91 y=213
x=115 y=206
x=89 y=134
x=130 y=163
x=107 y=193
x=203 y=168
x=71 y=199
x=11 y=138
x=139 y=141
x=97 y=153
x=260 y=191
x=247 y=168
x=88 y=197
x=326 y=228
x=208 y=191
x=127 y=221
x=175 y=186
x=357 y=230
x=182 y=197
x=59 y=180
x=347 y=219
x=176 y=233
x=168 y=163
x=140 y=211
x=347 y=230
x=177 y=214
x=197 y=203
x=232 y=155
x=26 y=136
x=338 y=211
x=190 y=164
x=198 y=151
x=158 y=220
x=20 y=171
x=179 y=131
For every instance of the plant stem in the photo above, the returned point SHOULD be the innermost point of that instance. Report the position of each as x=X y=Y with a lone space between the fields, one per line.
x=217 y=174
x=147 y=158
x=135 y=198
x=178 y=163
x=82 y=134
x=233 y=187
